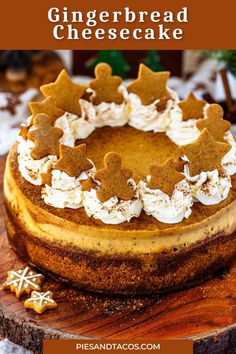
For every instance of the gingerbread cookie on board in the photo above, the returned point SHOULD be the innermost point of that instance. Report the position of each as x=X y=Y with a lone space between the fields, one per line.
x=205 y=154
x=65 y=93
x=40 y=302
x=164 y=177
x=45 y=137
x=23 y=281
x=214 y=122
x=73 y=160
x=150 y=85
x=114 y=179
x=106 y=86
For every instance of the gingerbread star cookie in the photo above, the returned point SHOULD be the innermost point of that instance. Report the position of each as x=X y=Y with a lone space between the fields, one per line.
x=192 y=108
x=73 y=160
x=40 y=302
x=106 y=86
x=48 y=107
x=205 y=154
x=150 y=85
x=23 y=131
x=214 y=122
x=87 y=184
x=114 y=179
x=165 y=177
x=23 y=281
x=65 y=93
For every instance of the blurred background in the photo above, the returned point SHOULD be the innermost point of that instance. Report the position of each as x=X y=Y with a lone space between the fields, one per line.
x=209 y=74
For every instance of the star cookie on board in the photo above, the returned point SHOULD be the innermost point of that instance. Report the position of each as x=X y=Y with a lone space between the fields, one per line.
x=214 y=122
x=205 y=154
x=73 y=160
x=114 y=179
x=48 y=107
x=106 y=86
x=23 y=281
x=164 y=177
x=40 y=302
x=150 y=85
x=192 y=108
x=45 y=137
x=65 y=93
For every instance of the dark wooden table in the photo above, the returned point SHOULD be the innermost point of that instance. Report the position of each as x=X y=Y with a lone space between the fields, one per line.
x=206 y=313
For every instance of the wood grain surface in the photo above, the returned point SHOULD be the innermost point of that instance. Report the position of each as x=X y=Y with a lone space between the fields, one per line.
x=206 y=313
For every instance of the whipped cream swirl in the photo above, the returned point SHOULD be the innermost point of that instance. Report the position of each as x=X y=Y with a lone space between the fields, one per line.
x=164 y=208
x=113 y=211
x=111 y=114
x=29 y=168
x=209 y=188
x=147 y=118
x=229 y=160
x=65 y=191
x=75 y=127
x=182 y=132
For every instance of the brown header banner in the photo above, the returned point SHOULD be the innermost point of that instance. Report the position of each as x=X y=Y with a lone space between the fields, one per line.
x=117 y=24
x=116 y=347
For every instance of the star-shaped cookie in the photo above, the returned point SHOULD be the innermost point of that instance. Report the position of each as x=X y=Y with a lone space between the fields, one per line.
x=205 y=154
x=192 y=108
x=23 y=281
x=150 y=85
x=65 y=93
x=40 y=302
x=165 y=177
x=48 y=107
x=87 y=184
x=23 y=131
x=106 y=86
x=73 y=160
x=214 y=122
x=114 y=179
x=45 y=137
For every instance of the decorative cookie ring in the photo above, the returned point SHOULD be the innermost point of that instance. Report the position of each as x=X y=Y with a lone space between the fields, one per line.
x=72 y=177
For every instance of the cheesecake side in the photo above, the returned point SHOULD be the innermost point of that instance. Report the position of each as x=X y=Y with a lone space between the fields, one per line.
x=115 y=259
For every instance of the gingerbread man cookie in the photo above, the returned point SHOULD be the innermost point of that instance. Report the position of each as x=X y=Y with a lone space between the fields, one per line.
x=45 y=137
x=214 y=122
x=106 y=86
x=114 y=179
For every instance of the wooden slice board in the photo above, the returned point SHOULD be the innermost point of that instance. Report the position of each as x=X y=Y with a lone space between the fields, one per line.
x=205 y=313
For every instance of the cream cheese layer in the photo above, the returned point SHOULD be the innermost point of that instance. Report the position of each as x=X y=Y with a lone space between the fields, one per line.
x=50 y=227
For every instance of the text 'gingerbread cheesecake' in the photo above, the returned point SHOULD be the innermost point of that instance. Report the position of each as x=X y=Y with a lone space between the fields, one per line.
x=123 y=190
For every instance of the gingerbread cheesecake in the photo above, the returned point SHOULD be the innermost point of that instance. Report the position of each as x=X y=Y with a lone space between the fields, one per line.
x=123 y=190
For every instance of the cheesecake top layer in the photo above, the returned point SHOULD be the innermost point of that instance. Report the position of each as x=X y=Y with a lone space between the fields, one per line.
x=144 y=222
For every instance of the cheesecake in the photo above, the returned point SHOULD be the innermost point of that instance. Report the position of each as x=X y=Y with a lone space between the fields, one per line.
x=101 y=192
